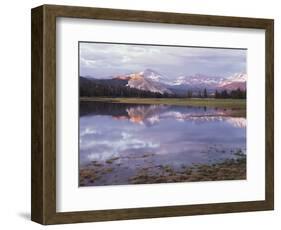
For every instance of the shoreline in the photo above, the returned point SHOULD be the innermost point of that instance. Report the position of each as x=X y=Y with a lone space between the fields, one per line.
x=208 y=102
x=230 y=169
x=237 y=106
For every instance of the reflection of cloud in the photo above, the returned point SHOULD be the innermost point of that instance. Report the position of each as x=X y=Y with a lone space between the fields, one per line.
x=112 y=144
x=153 y=120
x=88 y=131
x=238 y=122
x=167 y=131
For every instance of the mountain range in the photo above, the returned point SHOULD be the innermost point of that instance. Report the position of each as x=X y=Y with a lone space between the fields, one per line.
x=154 y=82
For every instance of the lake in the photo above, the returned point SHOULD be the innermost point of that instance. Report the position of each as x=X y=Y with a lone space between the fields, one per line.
x=138 y=144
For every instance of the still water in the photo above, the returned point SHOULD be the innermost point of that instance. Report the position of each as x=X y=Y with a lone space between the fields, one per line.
x=117 y=141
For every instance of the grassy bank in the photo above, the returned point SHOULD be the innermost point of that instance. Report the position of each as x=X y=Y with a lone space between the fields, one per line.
x=208 y=102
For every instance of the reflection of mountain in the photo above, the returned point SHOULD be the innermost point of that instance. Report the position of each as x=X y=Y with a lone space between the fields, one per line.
x=145 y=114
x=150 y=115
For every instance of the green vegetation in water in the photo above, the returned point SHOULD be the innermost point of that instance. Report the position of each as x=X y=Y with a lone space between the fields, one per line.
x=111 y=160
x=232 y=169
x=90 y=175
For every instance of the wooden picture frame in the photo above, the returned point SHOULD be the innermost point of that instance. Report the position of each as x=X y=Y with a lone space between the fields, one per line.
x=43 y=208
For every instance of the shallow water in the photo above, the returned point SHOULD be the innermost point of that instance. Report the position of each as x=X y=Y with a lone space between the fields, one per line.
x=118 y=141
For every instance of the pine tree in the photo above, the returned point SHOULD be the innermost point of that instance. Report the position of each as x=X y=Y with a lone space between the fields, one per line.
x=205 y=93
x=189 y=94
x=217 y=95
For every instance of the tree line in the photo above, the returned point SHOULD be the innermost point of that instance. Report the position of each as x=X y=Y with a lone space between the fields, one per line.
x=233 y=94
x=99 y=88
x=93 y=89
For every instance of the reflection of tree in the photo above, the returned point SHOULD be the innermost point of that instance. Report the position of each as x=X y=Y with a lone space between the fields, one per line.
x=102 y=108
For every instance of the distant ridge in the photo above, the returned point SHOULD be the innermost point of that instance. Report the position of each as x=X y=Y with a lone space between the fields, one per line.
x=154 y=82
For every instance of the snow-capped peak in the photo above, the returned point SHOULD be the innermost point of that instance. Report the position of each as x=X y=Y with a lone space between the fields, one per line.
x=235 y=81
x=147 y=80
x=238 y=77
x=153 y=75
x=197 y=79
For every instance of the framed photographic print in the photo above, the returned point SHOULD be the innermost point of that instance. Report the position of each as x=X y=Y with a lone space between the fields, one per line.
x=140 y=114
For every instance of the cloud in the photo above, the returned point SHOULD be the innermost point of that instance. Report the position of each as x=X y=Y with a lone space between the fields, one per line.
x=102 y=60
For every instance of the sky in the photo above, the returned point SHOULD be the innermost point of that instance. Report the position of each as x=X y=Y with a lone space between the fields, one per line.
x=106 y=60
